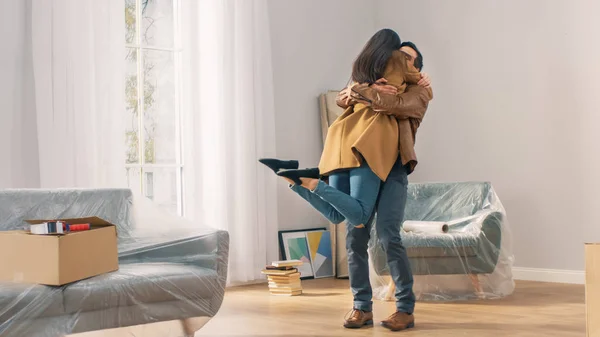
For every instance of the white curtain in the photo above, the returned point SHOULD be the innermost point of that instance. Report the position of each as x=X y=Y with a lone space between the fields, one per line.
x=62 y=97
x=18 y=142
x=78 y=69
x=229 y=123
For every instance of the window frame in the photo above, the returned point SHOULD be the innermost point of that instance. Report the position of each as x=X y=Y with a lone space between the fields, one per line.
x=141 y=166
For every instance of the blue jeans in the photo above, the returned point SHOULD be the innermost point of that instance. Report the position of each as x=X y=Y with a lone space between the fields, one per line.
x=390 y=215
x=351 y=195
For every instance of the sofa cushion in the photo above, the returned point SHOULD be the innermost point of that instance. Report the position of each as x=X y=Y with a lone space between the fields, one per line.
x=22 y=301
x=416 y=252
x=440 y=245
x=141 y=314
x=135 y=284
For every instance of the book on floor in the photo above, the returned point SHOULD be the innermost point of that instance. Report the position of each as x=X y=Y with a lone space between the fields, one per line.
x=287 y=263
x=293 y=293
x=279 y=268
x=295 y=276
x=284 y=282
x=284 y=285
x=285 y=291
x=279 y=272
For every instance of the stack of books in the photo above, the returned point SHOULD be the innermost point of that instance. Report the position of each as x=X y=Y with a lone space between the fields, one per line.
x=284 y=278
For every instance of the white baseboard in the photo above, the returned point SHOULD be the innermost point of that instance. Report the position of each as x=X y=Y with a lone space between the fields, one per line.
x=549 y=275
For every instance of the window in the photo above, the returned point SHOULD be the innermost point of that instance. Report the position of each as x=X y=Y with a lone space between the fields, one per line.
x=153 y=125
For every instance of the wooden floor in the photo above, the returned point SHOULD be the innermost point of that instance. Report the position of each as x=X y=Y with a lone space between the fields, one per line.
x=535 y=309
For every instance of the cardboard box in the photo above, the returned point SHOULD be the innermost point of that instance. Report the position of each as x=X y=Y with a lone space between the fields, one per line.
x=59 y=259
x=592 y=289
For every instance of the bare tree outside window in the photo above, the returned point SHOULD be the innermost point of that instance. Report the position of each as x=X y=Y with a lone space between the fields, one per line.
x=153 y=138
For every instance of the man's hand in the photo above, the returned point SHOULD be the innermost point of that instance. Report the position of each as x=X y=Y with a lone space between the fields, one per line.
x=345 y=95
x=425 y=81
x=382 y=87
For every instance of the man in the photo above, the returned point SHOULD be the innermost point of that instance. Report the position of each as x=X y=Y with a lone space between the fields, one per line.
x=409 y=108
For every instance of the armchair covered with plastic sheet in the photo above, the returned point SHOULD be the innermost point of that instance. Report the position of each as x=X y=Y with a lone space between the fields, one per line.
x=471 y=257
x=170 y=270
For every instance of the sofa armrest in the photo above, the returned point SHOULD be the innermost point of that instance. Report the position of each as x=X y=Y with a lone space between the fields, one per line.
x=489 y=225
x=205 y=249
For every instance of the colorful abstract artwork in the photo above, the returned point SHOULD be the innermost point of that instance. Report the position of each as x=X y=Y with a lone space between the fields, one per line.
x=321 y=257
x=294 y=246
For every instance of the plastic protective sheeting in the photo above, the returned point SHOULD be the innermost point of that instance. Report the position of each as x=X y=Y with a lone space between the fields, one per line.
x=472 y=259
x=170 y=269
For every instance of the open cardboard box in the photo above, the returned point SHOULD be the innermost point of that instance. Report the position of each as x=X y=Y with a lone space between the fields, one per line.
x=59 y=259
x=592 y=289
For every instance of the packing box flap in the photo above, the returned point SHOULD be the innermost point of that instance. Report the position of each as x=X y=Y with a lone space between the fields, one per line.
x=92 y=220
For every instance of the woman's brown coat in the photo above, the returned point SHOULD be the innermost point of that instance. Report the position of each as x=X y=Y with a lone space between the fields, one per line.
x=371 y=130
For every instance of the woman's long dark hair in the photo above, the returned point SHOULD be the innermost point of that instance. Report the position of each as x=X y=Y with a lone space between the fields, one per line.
x=370 y=63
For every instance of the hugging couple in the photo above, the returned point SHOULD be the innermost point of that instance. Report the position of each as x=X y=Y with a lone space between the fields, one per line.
x=368 y=155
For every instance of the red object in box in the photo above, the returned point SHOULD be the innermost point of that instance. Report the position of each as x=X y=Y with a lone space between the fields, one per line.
x=79 y=227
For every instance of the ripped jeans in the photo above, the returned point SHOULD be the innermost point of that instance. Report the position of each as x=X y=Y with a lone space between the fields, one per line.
x=351 y=195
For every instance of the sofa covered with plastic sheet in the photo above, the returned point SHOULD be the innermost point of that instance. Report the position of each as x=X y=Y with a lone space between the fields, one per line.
x=471 y=258
x=169 y=269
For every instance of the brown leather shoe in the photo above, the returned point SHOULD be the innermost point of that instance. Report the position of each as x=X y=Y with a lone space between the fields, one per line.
x=358 y=319
x=399 y=321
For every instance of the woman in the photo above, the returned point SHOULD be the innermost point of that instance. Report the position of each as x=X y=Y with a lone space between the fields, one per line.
x=362 y=144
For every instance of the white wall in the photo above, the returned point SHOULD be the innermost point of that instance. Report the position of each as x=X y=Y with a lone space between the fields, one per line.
x=517 y=103
x=314 y=43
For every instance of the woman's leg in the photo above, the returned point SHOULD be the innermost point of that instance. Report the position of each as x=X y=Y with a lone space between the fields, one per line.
x=357 y=207
x=357 y=242
x=341 y=182
x=354 y=190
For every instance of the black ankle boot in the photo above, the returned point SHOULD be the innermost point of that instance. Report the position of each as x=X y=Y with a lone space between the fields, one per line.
x=276 y=164
x=295 y=175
